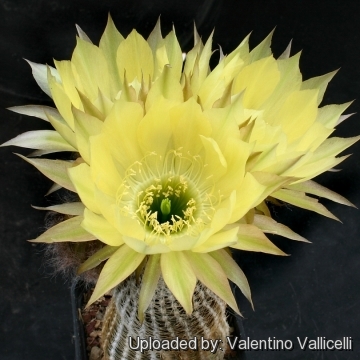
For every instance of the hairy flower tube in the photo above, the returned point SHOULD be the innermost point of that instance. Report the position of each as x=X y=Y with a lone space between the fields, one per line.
x=175 y=160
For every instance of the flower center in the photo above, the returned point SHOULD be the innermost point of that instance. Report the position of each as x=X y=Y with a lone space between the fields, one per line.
x=168 y=195
x=167 y=205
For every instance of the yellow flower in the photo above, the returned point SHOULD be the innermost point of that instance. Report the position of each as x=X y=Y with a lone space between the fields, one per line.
x=176 y=161
x=277 y=113
x=165 y=183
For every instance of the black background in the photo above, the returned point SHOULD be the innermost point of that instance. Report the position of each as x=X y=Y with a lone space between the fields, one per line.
x=314 y=292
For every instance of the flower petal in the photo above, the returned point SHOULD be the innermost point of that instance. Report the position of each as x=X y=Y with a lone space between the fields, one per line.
x=233 y=272
x=259 y=80
x=85 y=189
x=311 y=187
x=92 y=69
x=55 y=170
x=97 y=258
x=62 y=127
x=149 y=283
x=154 y=131
x=220 y=240
x=134 y=57
x=48 y=140
x=119 y=266
x=61 y=100
x=142 y=247
x=250 y=238
x=211 y=274
x=166 y=86
x=269 y=225
x=103 y=169
x=73 y=208
x=38 y=111
x=179 y=277
x=120 y=130
x=68 y=76
x=68 y=230
x=101 y=229
x=40 y=73
x=109 y=44
x=320 y=83
x=299 y=199
x=85 y=126
x=82 y=34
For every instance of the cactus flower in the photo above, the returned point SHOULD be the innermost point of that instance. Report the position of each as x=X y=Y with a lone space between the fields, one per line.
x=175 y=160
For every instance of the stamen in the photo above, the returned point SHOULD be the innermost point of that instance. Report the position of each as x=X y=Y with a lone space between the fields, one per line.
x=168 y=195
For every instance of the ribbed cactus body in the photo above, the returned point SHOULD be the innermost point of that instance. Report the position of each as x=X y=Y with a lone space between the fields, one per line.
x=165 y=319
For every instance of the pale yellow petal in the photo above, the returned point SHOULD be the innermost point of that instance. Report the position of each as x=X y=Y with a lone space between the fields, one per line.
x=313 y=137
x=297 y=114
x=73 y=208
x=149 y=284
x=259 y=80
x=251 y=238
x=62 y=127
x=333 y=146
x=102 y=229
x=38 y=111
x=120 y=129
x=311 y=187
x=329 y=115
x=119 y=266
x=299 y=199
x=55 y=170
x=262 y=50
x=179 y=277
x=144 y=248
x=91 y=68
x=236 y=153
x=40 y=73
x=290 y=80
x=269 y=225
x=134 y=57
x=250 y=195
x=215 y=164
x=80 y=176
x=68 y=81
x=220 y=218
x=320 y=83
x=211 y=274
x=220 y=240
x=97 y=258
x=109 y=43
x=68 y=230
x=166 y=86
x=103 y=169
x=85 y=127
x=233 y=271
x=61 y=100
x=154 y=131
x=48 y=140
x=107 y=206
x=174 y=53
x=183 y=117
x=130 y=227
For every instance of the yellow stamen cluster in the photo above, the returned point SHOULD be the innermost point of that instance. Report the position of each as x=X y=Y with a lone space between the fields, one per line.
x=166 y=196
x=154 y=218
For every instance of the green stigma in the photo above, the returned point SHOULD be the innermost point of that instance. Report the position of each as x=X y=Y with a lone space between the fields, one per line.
x=165 y=206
